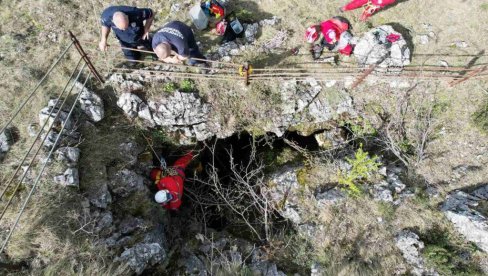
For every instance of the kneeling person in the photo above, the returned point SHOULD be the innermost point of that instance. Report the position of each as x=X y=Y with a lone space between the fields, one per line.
x=128 y=25
x=175 y=43
x=332 y=34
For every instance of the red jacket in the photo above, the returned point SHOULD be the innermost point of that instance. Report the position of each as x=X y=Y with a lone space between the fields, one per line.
x=174 y=184
x=332 y=30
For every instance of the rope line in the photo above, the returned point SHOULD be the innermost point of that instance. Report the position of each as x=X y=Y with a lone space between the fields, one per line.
x=34 y=186
x=36 y=88
x=41 y=130
x=39 y=149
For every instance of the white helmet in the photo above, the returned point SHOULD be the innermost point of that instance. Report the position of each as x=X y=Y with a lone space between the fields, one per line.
x=163 y=196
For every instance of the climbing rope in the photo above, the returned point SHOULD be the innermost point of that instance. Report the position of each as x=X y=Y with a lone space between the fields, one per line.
x=36 y=182
x=50 y=128
x=22 y=105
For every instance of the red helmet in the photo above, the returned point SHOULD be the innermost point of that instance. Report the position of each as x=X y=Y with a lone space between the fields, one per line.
x=311 y=35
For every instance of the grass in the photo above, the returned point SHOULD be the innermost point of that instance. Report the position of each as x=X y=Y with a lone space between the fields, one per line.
x=443 y=251
x=349 y=244
x=480 y=117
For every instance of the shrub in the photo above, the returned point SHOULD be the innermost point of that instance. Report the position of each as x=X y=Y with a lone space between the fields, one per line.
x=169 y=87
x=447 y=254
x=187 y=85
x=362 y=168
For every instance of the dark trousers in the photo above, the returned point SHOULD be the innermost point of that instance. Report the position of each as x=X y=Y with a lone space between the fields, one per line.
x=135 y=55
x=194 y=50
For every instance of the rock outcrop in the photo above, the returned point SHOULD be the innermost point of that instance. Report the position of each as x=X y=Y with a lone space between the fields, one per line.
x=459 y=208
x=411 y=247
x=91 y=104
x=6 y=141
x=384 y=47
x=143 y=255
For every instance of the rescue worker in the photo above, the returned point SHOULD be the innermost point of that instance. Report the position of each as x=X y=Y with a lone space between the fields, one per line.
x=169 y=182
x=333 y=34
x=370 y=6
x=129 y=28
x=175 y=43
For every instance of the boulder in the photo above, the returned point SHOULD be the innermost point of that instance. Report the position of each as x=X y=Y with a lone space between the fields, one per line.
x=130 y=151
x=134 y=107
x=329 y=197
x=284 y=190
x=6 y=141
x=104 y=225
x=126 y=182
x=251 y=30
x=411 y=247
x=332 y=138
x=99 y=195
x=91 y=104
x=68 y=155
x=185 y=112
x=131 y=224
x=459 y=209
x=375 y=48
x=142 y=256
x=69 y=178
x=62 y=119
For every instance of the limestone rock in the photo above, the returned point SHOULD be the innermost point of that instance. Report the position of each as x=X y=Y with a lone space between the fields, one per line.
x=130 y=151
x=68 y=155
x=330 y=197
x=131 y=224
x=104 y=222
x=6 y=141
x=69 y=178
x=270 y=22
x=134 y=107
x=45 y=115
x=142 y=256
x=284 y=190
x=99 y=196
x=458 y=208
x=331 y=139
x=91 y=104
x=251 y=30
x=374 y=48
x=184 y=112
x=411 y=247
x=125 y=182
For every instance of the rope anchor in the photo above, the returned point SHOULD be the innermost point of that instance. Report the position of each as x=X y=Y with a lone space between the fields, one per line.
x=245 y=71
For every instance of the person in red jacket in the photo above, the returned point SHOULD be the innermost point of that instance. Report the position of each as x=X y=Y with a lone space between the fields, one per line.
x=370 y=6
x=170 y=183
x=333 y=34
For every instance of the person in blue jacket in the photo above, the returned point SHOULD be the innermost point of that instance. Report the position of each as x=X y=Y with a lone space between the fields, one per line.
x=175 y=43
x=131 y=27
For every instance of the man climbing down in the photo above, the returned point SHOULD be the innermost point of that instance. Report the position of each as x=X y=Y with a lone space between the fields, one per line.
x=175 y=43
x=370 y=6
x=128 y=25
x=169 y=182
x=333 y=34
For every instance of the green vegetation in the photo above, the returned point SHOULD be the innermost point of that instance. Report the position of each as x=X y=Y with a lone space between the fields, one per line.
x=448 y=255
x=480 y=117
x=363 y=167
x=187 y=85
x=169 y=87
x=360 y=127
